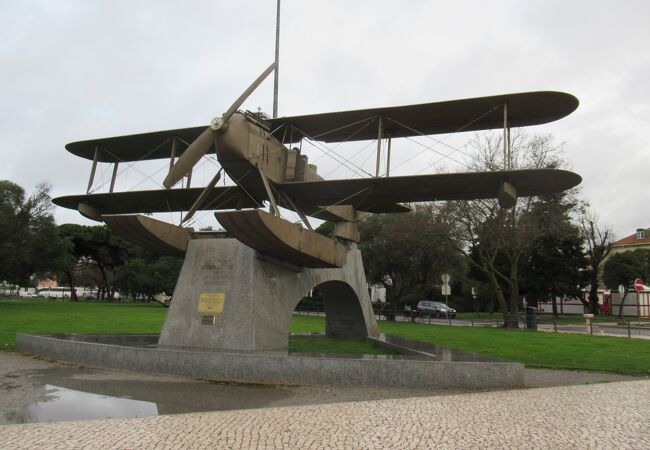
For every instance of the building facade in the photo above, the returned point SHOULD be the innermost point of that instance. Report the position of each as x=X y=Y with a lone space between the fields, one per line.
x=636 y=241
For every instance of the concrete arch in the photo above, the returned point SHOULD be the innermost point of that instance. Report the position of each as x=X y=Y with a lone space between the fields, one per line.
x=343 y=312
x=260 y=296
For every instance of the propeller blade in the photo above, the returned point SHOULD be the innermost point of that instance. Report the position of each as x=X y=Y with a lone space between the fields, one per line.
x=190 y=157
x=242 y=98
x=202 y=144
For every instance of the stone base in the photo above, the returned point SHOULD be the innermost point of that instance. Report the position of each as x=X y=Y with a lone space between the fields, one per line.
x=437 y=371
x=230 y=297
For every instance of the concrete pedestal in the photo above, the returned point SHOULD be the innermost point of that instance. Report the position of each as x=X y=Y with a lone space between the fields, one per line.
x=230 y=297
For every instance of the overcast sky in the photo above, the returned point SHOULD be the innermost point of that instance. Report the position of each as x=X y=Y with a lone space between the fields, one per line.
x=82 y=69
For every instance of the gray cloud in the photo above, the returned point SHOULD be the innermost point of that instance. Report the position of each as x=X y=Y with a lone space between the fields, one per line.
x=75 y=70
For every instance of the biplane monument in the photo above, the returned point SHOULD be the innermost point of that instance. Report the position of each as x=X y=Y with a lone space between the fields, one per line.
x=238 y=289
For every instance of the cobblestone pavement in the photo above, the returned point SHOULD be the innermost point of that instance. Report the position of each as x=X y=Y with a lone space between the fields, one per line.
x=611 y=415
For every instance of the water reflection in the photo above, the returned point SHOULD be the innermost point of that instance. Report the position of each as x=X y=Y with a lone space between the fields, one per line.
x=75 y=393
x=437 y=352
x=68 y=404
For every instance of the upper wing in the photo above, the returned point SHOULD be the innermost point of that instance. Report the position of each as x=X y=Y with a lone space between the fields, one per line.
x=382 y=194
x=136 y=147
x=530 y=108
x=164 y=200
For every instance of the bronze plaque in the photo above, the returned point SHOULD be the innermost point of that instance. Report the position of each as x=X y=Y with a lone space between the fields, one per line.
x=207 y=320
x=211 y=302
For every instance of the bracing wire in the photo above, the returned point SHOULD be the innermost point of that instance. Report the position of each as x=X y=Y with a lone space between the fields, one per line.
x=364 y=148
x=431 y=164
x=342 y=161
x=367 y=123
x=440 y=141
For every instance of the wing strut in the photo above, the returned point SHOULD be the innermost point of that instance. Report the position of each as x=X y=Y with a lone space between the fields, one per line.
x=388 y=158
x=113 y=177
x=380 y=135
x=93 y=170
x=201 y=199
x=507 y=164
x=302 y=215
x=267 y=187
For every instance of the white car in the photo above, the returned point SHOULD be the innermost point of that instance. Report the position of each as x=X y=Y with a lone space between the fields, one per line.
x=27 y=294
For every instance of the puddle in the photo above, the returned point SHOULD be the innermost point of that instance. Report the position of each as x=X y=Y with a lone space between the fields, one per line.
x=76 y=393
x=69 y=404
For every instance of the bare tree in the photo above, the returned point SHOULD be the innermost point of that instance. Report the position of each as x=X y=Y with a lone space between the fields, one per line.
x=495 y=239
x=598 y=241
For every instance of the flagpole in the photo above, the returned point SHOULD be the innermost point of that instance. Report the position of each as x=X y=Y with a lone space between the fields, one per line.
x=277 y=62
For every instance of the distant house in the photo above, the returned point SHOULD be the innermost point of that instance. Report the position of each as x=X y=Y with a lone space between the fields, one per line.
x=636 y=241
x=635 y=304
x=46 y=283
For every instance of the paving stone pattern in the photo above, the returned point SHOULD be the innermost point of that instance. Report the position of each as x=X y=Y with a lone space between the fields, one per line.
x=608 y=415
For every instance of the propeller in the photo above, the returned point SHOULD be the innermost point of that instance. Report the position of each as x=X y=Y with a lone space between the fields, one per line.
x=201 y=144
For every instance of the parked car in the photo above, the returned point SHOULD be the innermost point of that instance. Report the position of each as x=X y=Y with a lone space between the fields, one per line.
x=27 y=294
x=90 y=296
x=436 y=309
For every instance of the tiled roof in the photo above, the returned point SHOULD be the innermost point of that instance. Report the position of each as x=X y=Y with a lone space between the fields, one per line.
x=632 y=240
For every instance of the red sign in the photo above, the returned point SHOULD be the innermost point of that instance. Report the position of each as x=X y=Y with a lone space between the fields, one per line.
x=638 y=285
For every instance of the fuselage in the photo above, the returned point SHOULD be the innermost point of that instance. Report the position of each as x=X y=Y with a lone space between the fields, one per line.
x=245 y=147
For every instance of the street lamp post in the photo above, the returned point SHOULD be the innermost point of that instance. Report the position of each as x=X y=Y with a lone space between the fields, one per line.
x=475 y=302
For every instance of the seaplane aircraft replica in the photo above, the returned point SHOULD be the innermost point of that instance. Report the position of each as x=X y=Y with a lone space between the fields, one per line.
x=259 y=155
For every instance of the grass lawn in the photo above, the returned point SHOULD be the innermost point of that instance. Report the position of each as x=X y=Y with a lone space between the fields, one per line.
x=45 y=316
x=535 y=349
